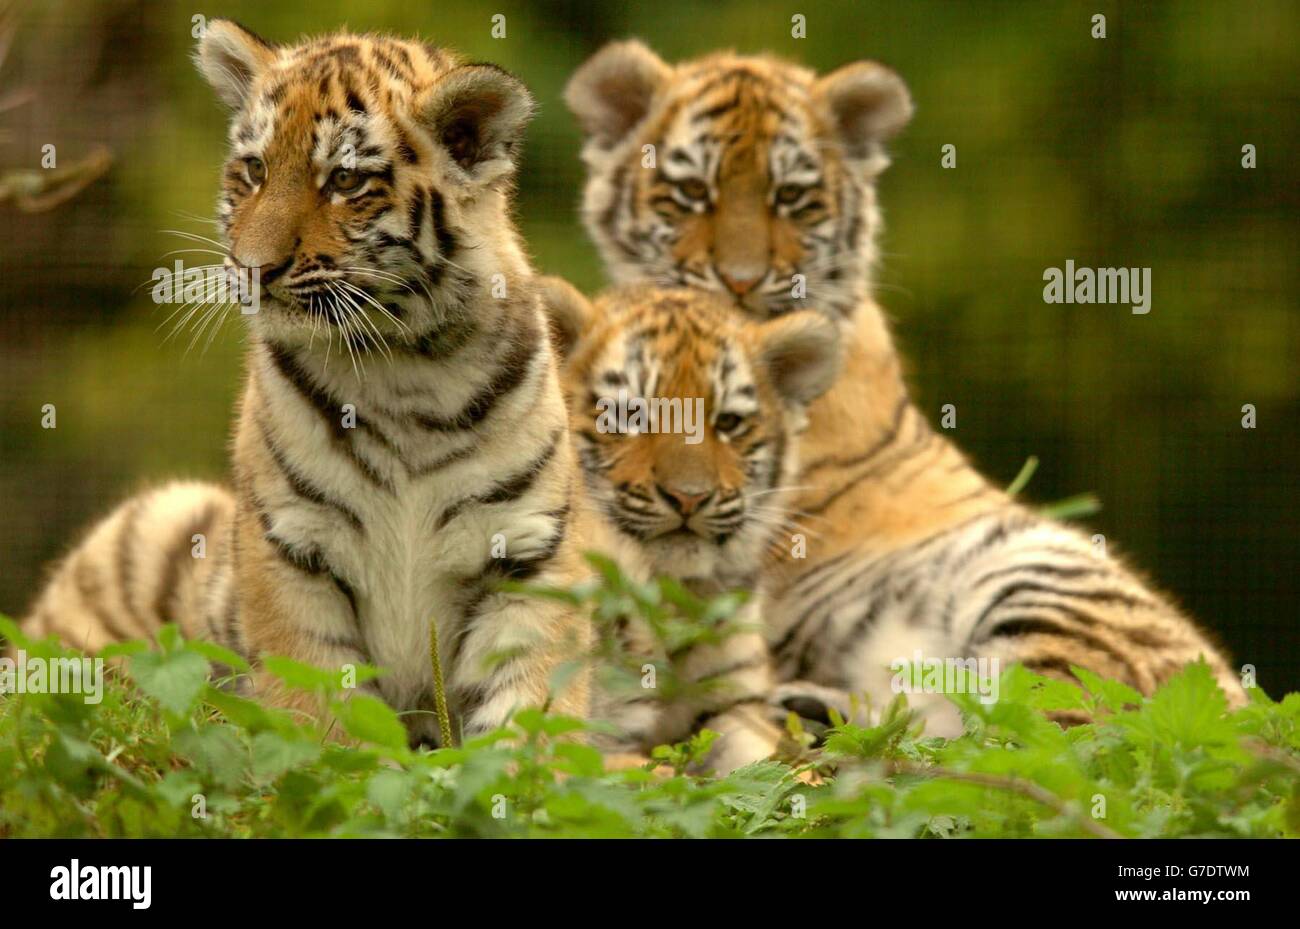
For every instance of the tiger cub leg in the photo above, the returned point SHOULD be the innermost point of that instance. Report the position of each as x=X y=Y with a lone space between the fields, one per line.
x=514 y=651
x=738 y=678
x=292 y=605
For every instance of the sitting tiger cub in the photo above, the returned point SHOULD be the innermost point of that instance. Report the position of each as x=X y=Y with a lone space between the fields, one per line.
x=698 y=486
x=402 y=421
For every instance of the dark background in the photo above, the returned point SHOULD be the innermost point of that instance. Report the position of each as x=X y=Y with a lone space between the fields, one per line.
x=1123 y=151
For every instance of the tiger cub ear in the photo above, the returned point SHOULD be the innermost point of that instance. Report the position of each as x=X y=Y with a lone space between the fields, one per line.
x=867 y=102
x=478 y=113
x=568 y=313
x=231 y=57
x=612 y=91
x=801 y=354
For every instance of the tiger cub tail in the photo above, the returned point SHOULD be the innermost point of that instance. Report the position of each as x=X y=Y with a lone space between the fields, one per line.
x=162 y=556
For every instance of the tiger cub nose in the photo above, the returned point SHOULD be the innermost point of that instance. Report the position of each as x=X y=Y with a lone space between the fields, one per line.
x=740 y=284
x=683 y=501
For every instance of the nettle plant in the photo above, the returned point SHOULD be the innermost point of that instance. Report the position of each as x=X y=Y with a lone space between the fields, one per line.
x=170 y=751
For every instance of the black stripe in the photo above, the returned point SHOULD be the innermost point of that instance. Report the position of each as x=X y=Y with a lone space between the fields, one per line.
x=443 y=341
x=445 y=238
x=415 y=214
x=717 y=110
x=308 y=560
x=90 y=586
x=755 y=661
x=1015 y=627
x=854 y=213
x=1037 y=567
x=609 y=216
x=843 y=589
x=512 y=488
x=901 y=407
x=878 y=470
x=813 y=575
x=445 y=461
x=311 y=561
x=1094 y=596
x=704 y=717
x=288 y=367
x=299 y=484
x=1135 y=634
x=1059 y=665
x=1008 y=523
x=231 y=631
x=125 y=552
x=514 y=367
x=180 y=549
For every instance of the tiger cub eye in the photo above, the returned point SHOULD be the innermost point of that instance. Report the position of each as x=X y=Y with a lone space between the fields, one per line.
x=727 y=422
x=694 y=189
x=344 y=180
x=256 y=170
x=788 y=193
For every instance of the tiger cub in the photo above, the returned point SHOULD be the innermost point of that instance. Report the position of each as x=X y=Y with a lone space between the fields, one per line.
x=699 y=488
x=755 y=178
x=401 y=445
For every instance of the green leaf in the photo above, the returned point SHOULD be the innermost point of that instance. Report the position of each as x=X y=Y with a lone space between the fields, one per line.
x=9 y=630
x=273 y=754
x=117 y=649
x=216 y=753
x=1113 y=695
x=302 y=676
x=371 y=720
x=175 y=679
x=389 y=790
x=219 y=655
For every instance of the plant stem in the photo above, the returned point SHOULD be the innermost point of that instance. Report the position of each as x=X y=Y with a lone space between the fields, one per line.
x=446 y=738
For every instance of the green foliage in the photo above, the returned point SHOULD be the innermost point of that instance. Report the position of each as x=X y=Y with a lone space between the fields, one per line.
x=167 y=752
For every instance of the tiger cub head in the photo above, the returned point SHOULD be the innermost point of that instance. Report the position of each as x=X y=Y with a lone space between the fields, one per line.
x=356 y=165
x=685 y=416
x=748 y=175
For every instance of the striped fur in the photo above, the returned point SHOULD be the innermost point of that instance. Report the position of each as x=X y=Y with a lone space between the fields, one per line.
x=702 y=512
x=761 y=172
x=162 y=556
x=908 y=546
x=401 y=444
x=395 y=483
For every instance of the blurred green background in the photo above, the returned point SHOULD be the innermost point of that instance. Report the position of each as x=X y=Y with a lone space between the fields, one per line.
x=1124 y=151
